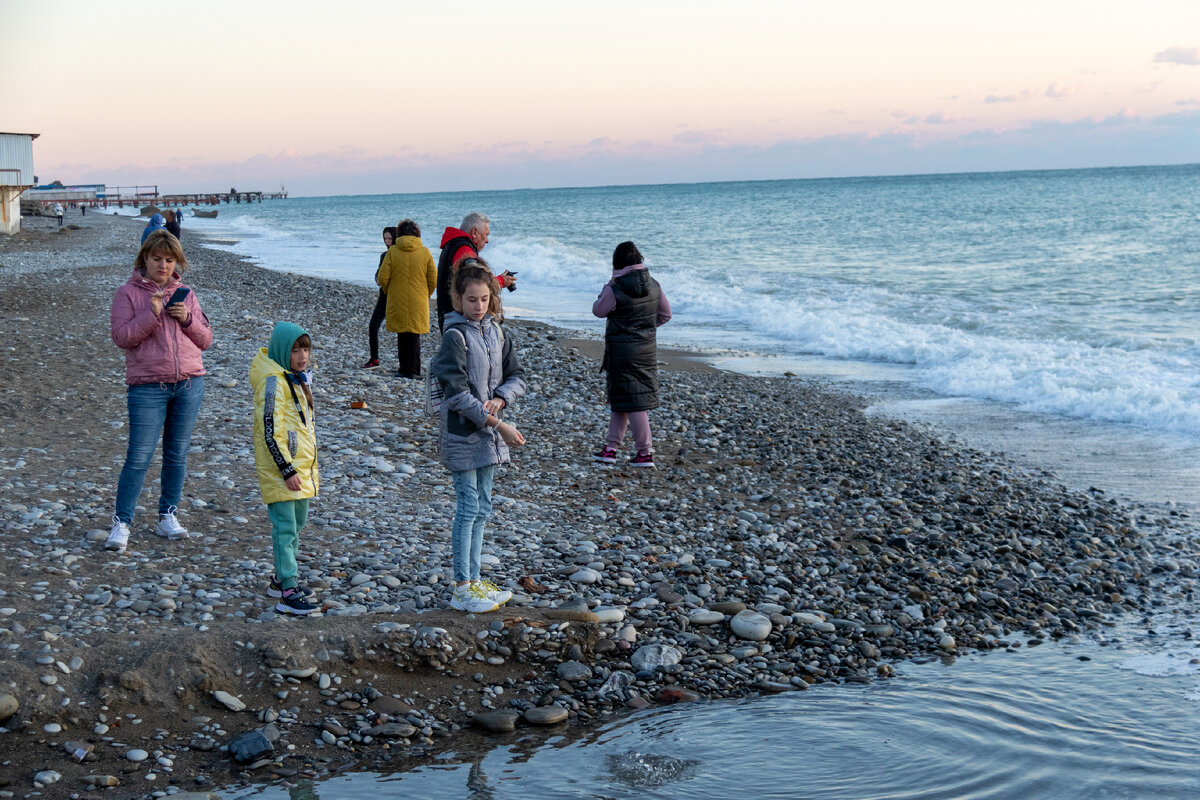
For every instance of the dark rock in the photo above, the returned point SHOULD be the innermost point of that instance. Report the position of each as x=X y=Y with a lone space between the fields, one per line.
x=496 y=721
x=390 y=706
x=249 y=747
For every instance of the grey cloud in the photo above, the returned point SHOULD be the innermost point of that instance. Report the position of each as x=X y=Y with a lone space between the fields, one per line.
x=1059 y=90
x=1186 y=56
x=1015 y=97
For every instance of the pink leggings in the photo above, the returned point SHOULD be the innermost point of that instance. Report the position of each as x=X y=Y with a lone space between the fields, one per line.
x=638 y=421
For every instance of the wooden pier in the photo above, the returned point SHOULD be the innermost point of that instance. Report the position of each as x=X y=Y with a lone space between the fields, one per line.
x=121 y=196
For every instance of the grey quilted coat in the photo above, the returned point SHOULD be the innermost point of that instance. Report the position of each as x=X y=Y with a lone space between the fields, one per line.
x=474 y=367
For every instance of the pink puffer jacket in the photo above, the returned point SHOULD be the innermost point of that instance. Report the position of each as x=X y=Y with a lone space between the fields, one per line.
x=158 y=349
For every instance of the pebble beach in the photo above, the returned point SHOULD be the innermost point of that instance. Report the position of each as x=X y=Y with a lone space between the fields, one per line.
x=784 y=540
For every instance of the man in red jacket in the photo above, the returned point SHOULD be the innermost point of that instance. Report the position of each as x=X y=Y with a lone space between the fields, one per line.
x=458 y=244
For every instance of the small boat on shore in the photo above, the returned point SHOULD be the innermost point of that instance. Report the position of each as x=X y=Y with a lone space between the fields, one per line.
x=205 y=214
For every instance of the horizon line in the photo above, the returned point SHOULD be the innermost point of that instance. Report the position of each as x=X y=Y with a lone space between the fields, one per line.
x=875 y=176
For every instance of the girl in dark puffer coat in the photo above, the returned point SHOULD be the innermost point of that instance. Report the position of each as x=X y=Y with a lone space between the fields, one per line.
x=635 y=306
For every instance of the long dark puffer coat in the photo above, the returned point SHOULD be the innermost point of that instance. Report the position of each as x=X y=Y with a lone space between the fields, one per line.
x=631 y=345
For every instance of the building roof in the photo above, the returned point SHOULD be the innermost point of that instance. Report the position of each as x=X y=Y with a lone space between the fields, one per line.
x=13 y=133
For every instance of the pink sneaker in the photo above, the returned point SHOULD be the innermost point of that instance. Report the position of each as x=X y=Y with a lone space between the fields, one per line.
x=606 y=456
x=643 y=460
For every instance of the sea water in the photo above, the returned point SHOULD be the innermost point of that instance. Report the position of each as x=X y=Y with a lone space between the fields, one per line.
x=1119 y=718
x=1054 y=314
x=1050 y=314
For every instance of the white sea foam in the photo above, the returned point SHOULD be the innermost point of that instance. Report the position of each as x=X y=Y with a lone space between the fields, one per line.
x=954 y=347
x=1049 y=306
x=1167 y=664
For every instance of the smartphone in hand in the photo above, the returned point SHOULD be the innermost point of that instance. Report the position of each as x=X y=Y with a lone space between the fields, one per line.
x=180 y=294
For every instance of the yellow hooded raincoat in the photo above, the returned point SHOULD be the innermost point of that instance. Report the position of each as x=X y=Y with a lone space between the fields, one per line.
x=285 y=434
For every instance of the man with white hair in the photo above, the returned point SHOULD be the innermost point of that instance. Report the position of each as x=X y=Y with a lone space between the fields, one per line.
x=458 y=244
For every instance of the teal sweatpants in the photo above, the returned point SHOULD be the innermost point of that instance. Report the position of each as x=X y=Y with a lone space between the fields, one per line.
x=287 y=520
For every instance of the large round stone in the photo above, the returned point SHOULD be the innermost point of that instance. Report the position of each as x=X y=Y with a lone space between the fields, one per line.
x=585 y=576
x=8 y=706
x=496 y=721
x=573 y=671
x=545 y=715
x=704 y=616
x=750 y=625
x=655 y=655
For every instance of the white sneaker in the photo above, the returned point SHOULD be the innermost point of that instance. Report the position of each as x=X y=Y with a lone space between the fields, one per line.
x=118 y=537
x=169 y=527
x=471 y=598
x=493 y=592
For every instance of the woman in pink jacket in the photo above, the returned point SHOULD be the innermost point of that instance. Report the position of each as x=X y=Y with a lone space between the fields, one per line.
x=158 y=322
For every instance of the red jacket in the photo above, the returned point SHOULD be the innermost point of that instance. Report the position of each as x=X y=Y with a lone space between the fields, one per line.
x=158 y=349
x=464 y=251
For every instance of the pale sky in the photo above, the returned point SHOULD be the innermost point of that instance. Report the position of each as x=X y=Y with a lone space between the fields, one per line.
x=375 y=97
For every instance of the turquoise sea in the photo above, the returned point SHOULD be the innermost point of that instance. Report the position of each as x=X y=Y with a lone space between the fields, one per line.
x=1054 y=315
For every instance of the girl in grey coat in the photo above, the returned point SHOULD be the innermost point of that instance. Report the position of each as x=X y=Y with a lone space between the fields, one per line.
x=480 y=376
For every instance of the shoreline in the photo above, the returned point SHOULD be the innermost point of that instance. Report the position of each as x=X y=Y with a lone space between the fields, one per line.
x=855 y=544
x=1145 y=466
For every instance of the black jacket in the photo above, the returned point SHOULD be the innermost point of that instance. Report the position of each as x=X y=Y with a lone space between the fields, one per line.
x=445 y=262
x=631 y=345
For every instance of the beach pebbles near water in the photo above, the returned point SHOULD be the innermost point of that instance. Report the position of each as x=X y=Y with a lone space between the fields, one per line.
x=784 y=540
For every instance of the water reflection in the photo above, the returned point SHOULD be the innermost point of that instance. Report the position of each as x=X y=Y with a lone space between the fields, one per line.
x=1053 y=722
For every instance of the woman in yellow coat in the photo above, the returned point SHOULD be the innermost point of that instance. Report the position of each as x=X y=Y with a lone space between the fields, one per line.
x=409 y=277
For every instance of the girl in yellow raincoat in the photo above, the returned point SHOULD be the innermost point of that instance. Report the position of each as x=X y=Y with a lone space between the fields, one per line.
x=285 y=453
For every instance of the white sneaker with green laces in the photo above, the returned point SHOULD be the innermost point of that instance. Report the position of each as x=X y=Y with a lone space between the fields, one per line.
x=493 y=592
x=472 y=599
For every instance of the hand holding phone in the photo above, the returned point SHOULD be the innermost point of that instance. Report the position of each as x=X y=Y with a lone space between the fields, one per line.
x=180 y=294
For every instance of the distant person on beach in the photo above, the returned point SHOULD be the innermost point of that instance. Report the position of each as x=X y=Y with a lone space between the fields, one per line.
x=158 y=322
x=380 y=312
x=58 y=212
x=458 y=244
x=634 y=306
x=155 y=224
x=480 y=375
x=172 y=223
x=408 y=277
x=285 y=454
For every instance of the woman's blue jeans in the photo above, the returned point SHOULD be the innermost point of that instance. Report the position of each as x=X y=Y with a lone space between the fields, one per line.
x=158 y=410
x=473 y=488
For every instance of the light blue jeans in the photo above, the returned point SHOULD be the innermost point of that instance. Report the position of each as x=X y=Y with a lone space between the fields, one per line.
x=473 y=489
x=164 y=411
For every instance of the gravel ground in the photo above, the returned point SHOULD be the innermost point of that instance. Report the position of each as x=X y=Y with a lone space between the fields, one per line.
x=785 y=539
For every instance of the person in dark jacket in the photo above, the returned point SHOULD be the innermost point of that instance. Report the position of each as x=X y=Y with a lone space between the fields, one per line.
x=380 y=312
x=172 y=224
x=459 y=244
x=634 y=305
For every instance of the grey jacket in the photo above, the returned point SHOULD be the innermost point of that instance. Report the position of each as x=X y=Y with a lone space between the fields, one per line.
x=474 y=367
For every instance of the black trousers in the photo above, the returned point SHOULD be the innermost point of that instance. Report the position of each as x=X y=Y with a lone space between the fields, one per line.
x=377 y=317
x=408 y=348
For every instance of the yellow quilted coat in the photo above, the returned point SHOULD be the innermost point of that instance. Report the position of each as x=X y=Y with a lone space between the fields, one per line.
x=285 y=434
x=409 y=277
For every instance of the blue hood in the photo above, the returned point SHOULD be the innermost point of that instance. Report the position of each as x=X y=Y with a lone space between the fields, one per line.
x=283 y=337
x=156 y=224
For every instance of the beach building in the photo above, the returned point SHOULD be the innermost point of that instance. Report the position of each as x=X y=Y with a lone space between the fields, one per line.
x=88 y=193
x=16 y=175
